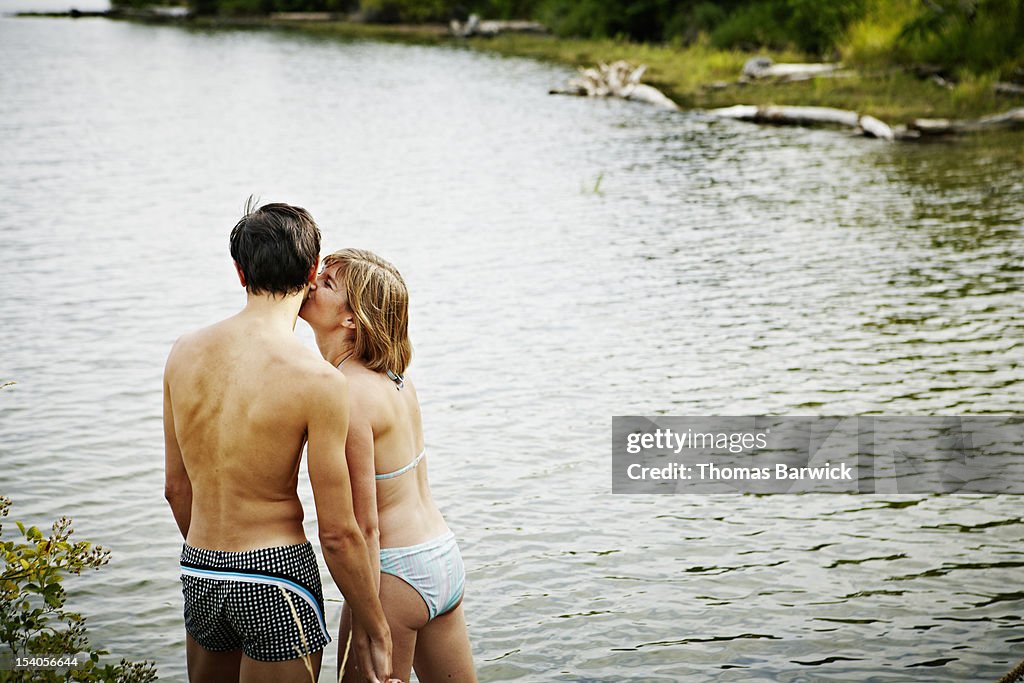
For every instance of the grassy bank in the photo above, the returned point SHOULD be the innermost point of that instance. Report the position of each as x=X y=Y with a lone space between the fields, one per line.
x=698 y=75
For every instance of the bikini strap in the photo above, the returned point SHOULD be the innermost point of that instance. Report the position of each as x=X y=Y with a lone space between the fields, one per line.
x=399 y=380
x=402 y=470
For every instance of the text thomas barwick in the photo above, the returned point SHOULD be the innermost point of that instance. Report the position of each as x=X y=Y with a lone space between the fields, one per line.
x=707 y=471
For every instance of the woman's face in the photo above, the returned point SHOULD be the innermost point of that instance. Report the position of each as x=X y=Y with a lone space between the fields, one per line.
x=326 y=305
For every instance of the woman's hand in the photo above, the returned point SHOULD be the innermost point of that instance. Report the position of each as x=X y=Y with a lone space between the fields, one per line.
x=373 y=655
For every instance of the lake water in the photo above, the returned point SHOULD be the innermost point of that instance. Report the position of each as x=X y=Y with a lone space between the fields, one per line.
x=569 y=260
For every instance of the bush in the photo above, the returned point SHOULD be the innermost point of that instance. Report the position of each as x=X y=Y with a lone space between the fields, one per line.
x=818 y=26
x=982 y=36
x=760 y=24
x=263 y=7
x=393 y=11
x=808 y=25
x=32 y=616
x=872 y=40
x=687 y=24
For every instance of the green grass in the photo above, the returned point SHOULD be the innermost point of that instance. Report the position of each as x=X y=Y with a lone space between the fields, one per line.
x=872 y=40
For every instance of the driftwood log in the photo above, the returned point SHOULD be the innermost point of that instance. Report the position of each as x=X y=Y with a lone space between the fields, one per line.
x=618 y=79
x=1007 y=120
x=1009 y=88
x=475 y=26
x=760 y=68
x=869 y=125
x=807 y=116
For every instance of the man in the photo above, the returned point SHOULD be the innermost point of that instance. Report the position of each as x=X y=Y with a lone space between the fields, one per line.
x=241 y=397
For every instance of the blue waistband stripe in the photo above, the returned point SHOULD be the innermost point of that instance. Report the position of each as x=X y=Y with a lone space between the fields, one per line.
x=230 y=575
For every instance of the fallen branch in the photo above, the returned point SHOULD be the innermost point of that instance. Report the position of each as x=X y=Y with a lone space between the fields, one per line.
x=1014 y=675
x=807 y=116
x=474 y=26
x=759 y=68
x=1006 y=120
x=1009 y=88
x=618 y=79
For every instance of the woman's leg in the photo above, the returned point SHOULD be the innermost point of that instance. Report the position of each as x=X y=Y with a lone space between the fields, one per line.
x=442 y=650
x=406 y=613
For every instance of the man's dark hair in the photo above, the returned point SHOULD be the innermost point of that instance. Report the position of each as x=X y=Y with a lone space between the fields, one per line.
x=275 y=245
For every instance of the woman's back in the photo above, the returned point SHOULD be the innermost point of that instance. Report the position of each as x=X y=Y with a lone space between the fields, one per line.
x=391 y=417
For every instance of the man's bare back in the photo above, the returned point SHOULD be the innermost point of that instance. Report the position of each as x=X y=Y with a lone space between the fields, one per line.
x=240 y=394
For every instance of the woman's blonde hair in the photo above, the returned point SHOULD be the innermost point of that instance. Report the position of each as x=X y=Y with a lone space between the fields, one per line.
x=379 y=300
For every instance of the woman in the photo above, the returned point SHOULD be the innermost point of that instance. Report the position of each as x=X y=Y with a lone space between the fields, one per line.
x=358 y=310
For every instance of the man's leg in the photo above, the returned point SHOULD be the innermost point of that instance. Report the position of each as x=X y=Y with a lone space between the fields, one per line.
x=302 y=670
x=205 y=666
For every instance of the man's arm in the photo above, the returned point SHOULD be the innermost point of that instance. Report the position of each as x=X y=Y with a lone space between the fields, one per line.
x=340 y=537
x=177 y=486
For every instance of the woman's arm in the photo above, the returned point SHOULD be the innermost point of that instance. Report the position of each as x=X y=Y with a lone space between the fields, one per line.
x=341 y=538
x=359 y=453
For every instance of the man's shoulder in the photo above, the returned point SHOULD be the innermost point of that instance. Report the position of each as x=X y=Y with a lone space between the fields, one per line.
x=193 y=342
x=183 y=346
x=315 y=389
x=306 y=368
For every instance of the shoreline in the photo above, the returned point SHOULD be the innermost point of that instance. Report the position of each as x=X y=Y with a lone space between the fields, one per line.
x=696 y=77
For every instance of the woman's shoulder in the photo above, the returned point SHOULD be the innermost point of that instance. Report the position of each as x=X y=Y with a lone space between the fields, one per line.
x=363 y=382
x=376 y=389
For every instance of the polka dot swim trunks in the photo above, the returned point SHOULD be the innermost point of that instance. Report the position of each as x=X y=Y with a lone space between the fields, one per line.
x=266 y=602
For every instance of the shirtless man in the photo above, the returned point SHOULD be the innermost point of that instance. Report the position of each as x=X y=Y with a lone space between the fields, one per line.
x=241 y=397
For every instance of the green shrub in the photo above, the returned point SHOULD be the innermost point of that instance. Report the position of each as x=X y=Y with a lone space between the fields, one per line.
x=33 y=620
x=586 y=18
x=982 y=36
x=414 y=11
x=809 y=25
x=687 y=24
x=497 y=9
x=872 y=39
x=237 y=8
x=754 y=25
x=817 y=27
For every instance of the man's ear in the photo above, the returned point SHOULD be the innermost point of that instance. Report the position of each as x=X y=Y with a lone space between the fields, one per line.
x=241 y=275
x=311 y=276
